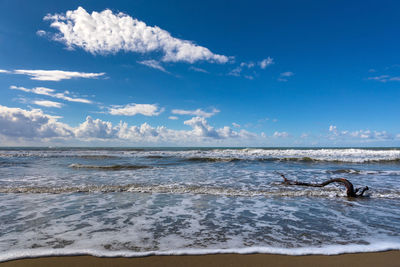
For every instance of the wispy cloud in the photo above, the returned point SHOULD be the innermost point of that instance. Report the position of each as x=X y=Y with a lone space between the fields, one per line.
x=385 y=78
x=153 y=64
x=250 y=65
x=198 y=112
x=47 y=103
x=283 y=77
x=105 y=32
x=266 y=120
x=280 y=134
x=198 y=69
x=56 y=75
x=51 y=93
x=173 y=117
x=334 y=133
x=304 y=135
x=134 y=109
x=236 y=71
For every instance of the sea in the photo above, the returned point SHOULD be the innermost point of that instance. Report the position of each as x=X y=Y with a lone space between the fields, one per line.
x=176 y=201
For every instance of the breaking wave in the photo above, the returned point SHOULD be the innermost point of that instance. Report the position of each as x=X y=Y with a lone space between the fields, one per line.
x=351 y=155
x=290 y=159
x=371 y=246
x=109 y=168
x=198 y=190
x=209 y=159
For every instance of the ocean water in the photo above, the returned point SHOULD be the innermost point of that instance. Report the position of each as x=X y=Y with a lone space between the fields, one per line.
x=162 y=201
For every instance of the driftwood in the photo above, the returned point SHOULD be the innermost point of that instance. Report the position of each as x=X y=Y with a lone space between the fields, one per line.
x=351 y=192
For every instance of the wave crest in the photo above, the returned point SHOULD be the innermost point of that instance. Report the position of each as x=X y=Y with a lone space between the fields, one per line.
x=197 y=190
x=109 y=167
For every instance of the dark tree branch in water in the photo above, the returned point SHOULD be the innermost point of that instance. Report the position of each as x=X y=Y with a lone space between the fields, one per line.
x=349 y=186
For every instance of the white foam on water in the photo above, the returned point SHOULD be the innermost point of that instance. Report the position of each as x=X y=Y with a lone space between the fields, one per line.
x=344 y=155
x=132 y=225
x=193 y=206
x=324 y=250
x=294 y=191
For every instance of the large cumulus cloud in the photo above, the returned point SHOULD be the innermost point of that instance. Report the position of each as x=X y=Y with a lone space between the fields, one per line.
x=17 y=123
x=105 y=32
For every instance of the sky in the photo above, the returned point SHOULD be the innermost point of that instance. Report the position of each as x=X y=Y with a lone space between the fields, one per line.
x=200 y=73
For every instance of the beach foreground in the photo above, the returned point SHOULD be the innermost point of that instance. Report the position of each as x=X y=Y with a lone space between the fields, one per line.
x=135 y=202
x=387 y=259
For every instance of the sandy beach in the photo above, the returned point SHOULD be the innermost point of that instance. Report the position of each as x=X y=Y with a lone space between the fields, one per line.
x=387 y=259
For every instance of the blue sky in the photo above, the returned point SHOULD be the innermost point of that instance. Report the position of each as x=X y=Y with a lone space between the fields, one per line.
x=206 y=73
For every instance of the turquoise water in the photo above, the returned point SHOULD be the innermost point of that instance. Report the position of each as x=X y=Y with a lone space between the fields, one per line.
x=132 y=202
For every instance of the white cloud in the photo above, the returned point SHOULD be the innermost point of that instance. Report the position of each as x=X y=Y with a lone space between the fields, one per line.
x=134 y=109
x=201 y=127
x=18 y=126
x=333 y=128
x=95 y=129
x=20 y=123
x=287 y=74
x=4 y=71
x=248 y=65
x=56 y=75
x=283 y=77
x=198 y=69
x=198 y=112
x=105 y=32
x=146 y=133
x=238 y=70
x=266 y=62
x=173 y=117
x=360 y=134
x=385 y=78
x=304 y=135
x=280 y=134
x=235 y=125
x=41 y=32
x=153 y=64
x=51 y=93
x=46 y=103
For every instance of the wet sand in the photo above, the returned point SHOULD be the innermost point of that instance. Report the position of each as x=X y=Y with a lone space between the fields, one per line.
x=387 y=259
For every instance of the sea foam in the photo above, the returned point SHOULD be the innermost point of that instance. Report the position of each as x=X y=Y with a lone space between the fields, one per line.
x=323 y=250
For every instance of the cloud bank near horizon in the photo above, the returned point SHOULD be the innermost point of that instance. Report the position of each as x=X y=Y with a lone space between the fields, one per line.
x=20 y=124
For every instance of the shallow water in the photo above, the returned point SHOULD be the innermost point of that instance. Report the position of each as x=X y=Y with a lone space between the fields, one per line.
x=129 y=202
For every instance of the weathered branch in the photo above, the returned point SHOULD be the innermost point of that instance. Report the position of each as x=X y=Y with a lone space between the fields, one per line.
x=349 y=186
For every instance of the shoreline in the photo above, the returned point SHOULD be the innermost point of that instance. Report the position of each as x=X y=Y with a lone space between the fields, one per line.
x=364 y=259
